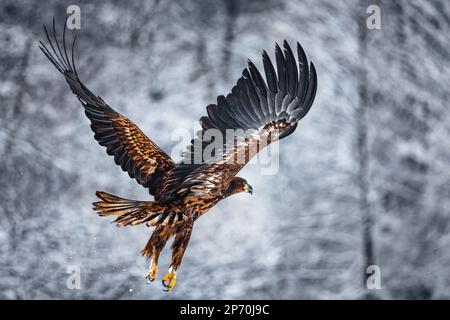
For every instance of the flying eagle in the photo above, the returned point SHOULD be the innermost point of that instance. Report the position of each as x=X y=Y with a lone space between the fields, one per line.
x=264 y=110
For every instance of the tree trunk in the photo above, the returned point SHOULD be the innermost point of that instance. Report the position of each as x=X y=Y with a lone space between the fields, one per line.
x=232 y=11
x=363 y=156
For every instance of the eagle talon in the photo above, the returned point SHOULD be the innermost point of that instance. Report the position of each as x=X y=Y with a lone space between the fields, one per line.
x=149 y=278
x=169 y=281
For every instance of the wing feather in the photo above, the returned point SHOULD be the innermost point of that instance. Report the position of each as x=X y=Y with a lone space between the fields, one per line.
x=261 y=88
x=257 y=107
x=253 y=96
x=133 y=151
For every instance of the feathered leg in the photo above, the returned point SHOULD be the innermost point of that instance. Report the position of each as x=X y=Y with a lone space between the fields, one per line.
x=183 y=235
x=153 y=248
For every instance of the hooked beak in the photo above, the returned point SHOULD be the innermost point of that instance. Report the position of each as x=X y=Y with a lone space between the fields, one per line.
x=248 y=188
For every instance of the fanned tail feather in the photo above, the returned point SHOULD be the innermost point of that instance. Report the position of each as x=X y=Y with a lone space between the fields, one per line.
x=133 y=212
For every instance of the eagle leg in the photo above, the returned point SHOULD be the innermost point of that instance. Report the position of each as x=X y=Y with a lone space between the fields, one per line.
x=182 y=237
x=153 y=248
x=152 y=271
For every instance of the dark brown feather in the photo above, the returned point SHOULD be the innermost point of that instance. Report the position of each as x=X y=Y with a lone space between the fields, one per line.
x=140 y=157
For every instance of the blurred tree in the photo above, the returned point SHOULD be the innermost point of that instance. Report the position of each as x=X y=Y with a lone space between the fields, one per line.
x=231 y=14
x=362 y=143
x=407 y=117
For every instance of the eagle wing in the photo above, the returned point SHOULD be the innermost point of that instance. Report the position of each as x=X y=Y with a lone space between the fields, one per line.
x=262 y=111
x=131 y=148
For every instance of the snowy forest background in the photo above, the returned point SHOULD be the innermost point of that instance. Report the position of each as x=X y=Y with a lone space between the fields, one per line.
x=364 y=180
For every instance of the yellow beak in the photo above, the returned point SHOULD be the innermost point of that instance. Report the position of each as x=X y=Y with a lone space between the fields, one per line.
x=248 y=188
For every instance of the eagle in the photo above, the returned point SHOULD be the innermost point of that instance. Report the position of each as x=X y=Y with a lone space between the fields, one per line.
x=260 y=110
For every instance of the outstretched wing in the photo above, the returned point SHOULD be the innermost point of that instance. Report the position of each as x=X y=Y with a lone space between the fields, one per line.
x=259 y=111
x=131 y=148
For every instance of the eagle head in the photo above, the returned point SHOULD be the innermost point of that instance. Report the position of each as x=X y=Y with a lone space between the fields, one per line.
x=236 y=185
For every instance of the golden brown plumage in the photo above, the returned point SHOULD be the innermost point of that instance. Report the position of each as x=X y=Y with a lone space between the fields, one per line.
x=260 y=111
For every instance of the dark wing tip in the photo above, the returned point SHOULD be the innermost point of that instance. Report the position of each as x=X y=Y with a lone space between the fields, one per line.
x=277 y=48
x=312 y=71
x=250 y=64
x=310 y=94
x=246 y=73
x=301 y=54
x=56 y=52
x=311 y=65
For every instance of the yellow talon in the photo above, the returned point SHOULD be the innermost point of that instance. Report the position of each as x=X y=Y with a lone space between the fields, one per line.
x=169 y=280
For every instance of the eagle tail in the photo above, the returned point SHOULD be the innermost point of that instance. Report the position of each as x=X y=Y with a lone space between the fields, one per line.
x=133 y=212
